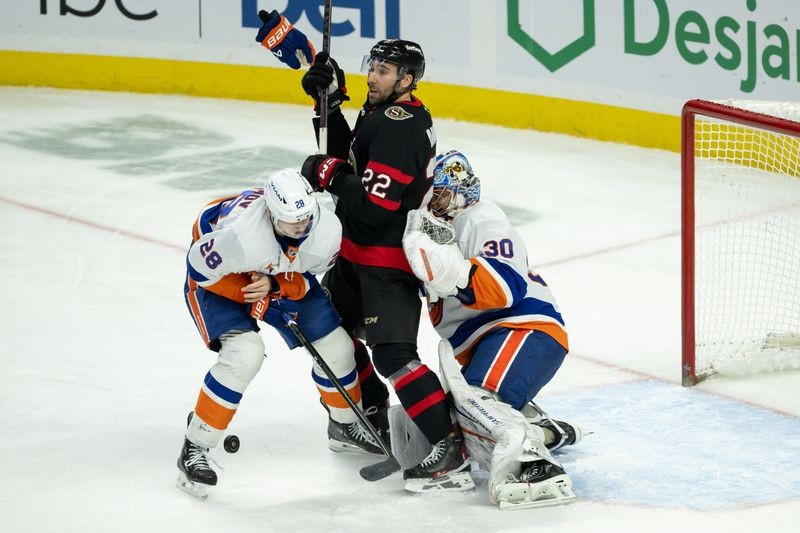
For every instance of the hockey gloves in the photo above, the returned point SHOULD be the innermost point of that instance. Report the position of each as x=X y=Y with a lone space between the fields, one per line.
x=286 y=42
x=441 y=267
x=325 y=74
x=319 y=170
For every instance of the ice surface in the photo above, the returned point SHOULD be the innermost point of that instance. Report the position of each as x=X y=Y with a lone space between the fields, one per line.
x=101 y=361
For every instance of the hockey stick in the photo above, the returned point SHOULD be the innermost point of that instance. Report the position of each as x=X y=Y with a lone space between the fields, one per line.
x=372 y=472
x=323 y=92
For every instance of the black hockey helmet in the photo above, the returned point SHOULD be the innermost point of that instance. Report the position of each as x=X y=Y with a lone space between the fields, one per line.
x=407 y=55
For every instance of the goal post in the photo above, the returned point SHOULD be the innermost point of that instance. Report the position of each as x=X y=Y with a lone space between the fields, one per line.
x=740 y=166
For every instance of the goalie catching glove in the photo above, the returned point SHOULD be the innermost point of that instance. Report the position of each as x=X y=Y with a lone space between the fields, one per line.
x=441 y=267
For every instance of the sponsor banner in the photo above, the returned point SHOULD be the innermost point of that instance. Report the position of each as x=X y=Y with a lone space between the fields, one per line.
x=641 y=54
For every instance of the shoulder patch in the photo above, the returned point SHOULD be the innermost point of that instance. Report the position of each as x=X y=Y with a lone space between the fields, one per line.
x=396 y=112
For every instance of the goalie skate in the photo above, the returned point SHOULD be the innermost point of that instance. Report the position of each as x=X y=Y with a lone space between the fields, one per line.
x=541 y=484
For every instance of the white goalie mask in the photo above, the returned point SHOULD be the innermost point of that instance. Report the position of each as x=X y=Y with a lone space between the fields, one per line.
x=291 y=203
x=455 y=185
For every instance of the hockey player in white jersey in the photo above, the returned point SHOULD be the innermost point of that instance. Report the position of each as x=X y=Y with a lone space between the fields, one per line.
x=500 y=321
x=254 y=257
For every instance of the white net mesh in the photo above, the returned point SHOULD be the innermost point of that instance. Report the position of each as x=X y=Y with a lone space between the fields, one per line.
x=747 y=244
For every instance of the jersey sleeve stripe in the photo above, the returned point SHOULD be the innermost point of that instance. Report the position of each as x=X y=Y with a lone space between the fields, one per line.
x=230 y=287
x=293 y=285
x=208 y=216
x=491 y=291
x=514 y=283
x=389 y=205
x=393 y=173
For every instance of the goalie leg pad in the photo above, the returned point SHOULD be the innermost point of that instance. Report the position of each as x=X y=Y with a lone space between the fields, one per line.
x=498 y=436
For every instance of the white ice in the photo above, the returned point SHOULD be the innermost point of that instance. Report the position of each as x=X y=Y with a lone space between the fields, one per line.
x=101 y=361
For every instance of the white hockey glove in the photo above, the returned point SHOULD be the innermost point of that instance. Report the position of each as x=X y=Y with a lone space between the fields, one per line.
x=441 y=267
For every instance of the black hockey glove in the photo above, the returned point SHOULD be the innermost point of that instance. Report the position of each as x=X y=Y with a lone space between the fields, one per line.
x=320 y=170
x=325 y=74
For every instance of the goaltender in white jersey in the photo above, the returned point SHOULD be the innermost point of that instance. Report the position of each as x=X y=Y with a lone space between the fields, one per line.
x=501 y=322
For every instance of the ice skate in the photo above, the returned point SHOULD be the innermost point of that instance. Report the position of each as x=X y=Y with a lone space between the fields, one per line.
x=559 y=434
x=195 y=474
x=444 y=469
x=379 y=418
x=541 y=483
x=351 y=438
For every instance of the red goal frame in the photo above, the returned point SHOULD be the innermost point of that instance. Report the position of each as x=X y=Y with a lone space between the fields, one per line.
x=735 y=115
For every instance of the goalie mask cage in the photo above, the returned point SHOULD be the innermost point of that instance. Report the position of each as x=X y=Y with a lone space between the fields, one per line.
x=740 y=238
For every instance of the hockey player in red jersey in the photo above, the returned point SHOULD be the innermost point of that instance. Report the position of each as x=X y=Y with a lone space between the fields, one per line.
x=378 y=173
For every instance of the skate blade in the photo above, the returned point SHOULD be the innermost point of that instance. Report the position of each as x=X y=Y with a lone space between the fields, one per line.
x=198 y=490
x=520 y=495
x=452 y=482
x=339 y=446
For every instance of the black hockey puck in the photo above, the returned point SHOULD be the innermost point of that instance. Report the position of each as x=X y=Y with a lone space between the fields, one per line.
x=231 y=444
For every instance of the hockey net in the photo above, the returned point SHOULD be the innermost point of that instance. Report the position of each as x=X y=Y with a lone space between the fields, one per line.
x=740 y=238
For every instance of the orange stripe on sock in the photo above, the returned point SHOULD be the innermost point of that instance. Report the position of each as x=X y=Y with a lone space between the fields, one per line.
x=503 y=359
x=213 y=413
x=334 y=399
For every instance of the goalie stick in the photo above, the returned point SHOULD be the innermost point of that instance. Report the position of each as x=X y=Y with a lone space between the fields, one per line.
x=372 y=472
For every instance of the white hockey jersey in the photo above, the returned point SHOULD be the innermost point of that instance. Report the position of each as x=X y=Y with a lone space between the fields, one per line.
x=502 y=292
x=234 y=236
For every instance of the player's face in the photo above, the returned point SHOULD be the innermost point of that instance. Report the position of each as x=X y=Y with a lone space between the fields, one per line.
x=381 y=82
x=295 y=230
x=440 y=201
